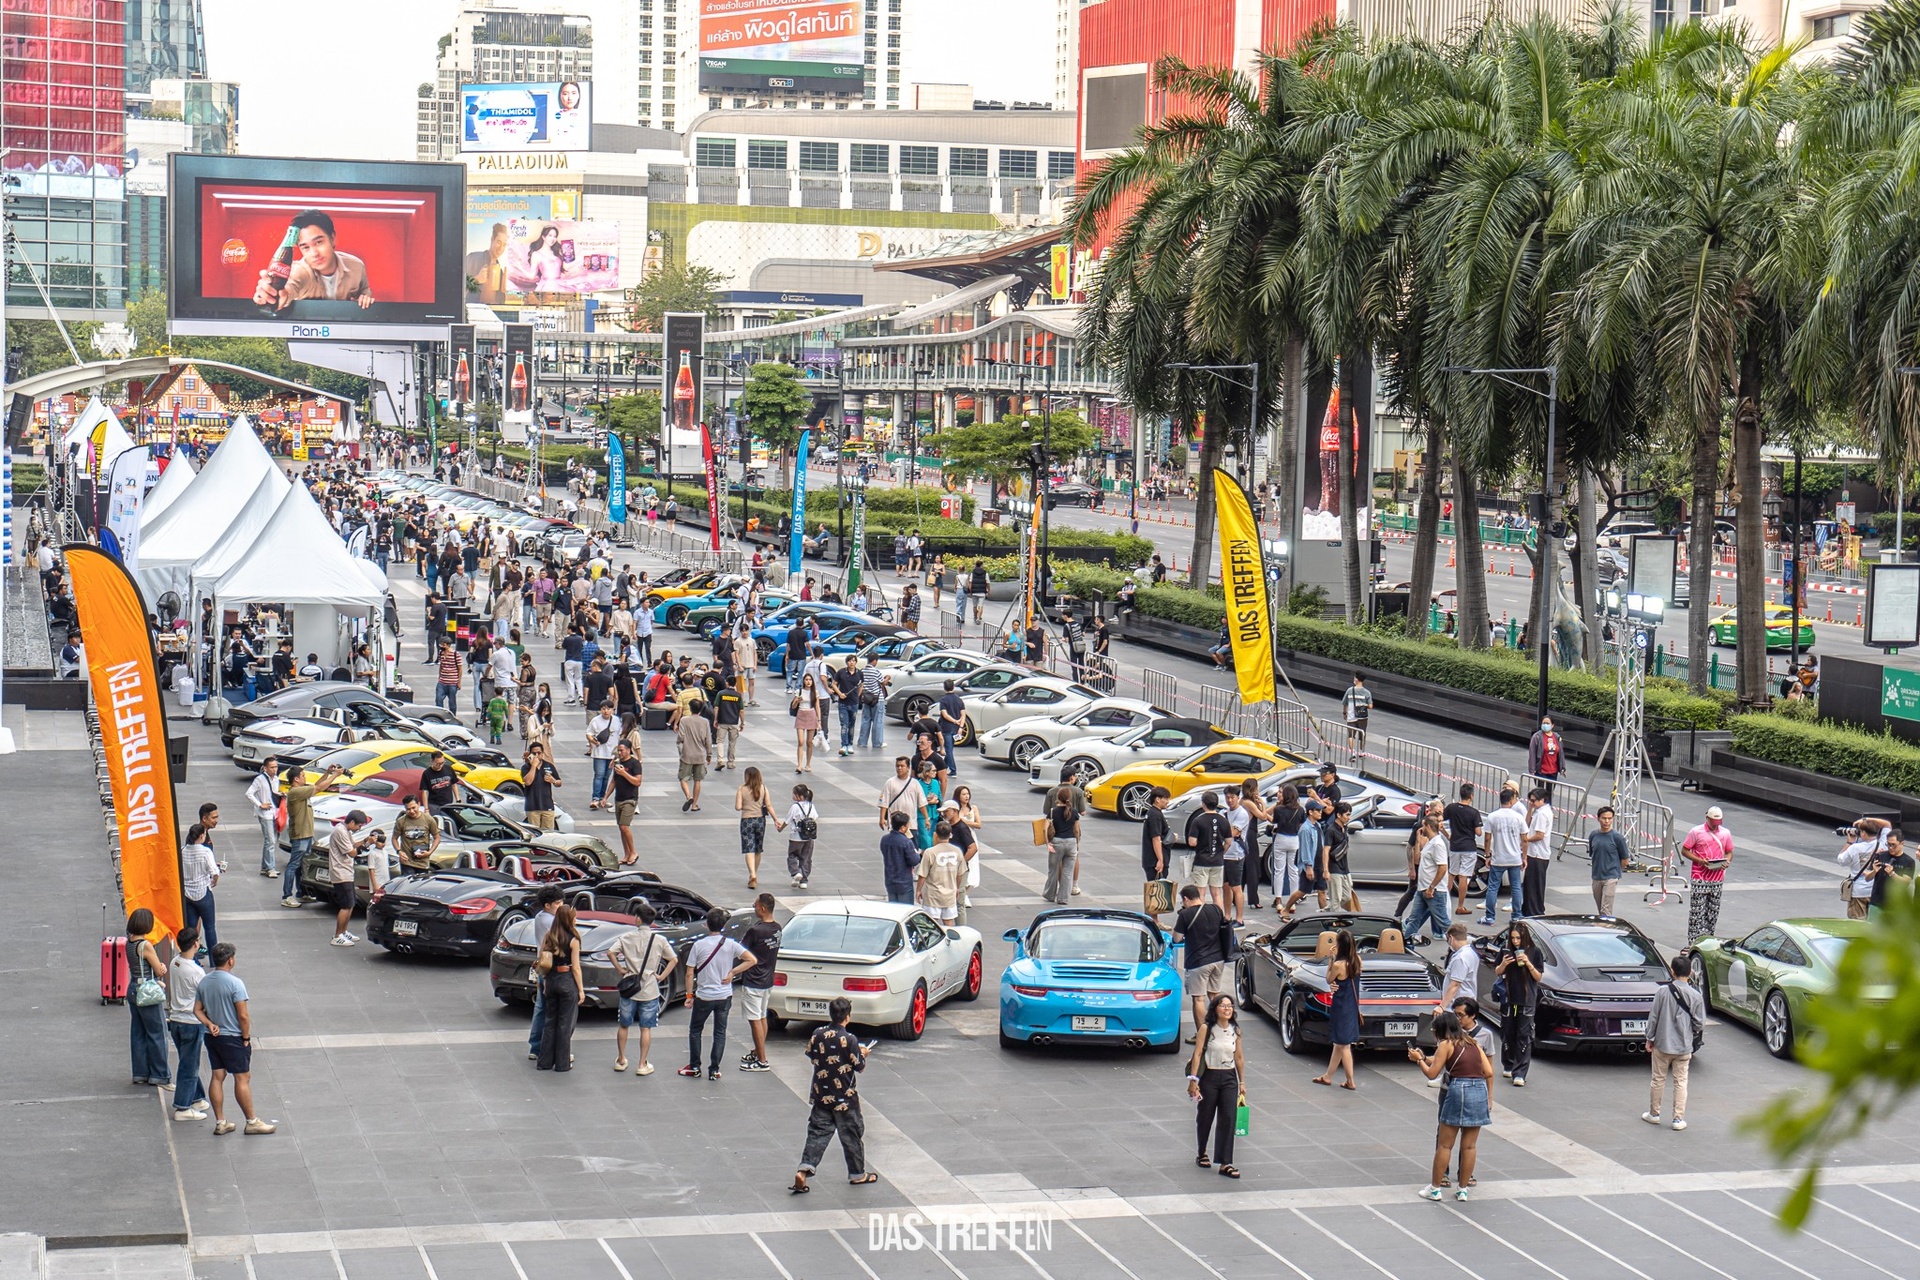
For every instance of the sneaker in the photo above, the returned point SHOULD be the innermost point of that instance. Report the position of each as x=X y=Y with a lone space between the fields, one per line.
x=691 y=1072
x=1486 y=919
x=267 y=872
x=755 y=1064
x=749 y=1056
x=1678 y=1125
x=533 y=1055
x=1436 y=1083
x=289 y=902
x=795 y=881
x=1505 y=1074
x=352 y=936
x=1431 y=1193
x=1460 y=1194
x=341 y=940
x=800 y=884
x=223 y=1128
x=644 y=1069
x=1519 y=1082
x=188 y=1113
x=259 y=1126
x=620 y=1064
x=1651 y=1117
x=1076 y=891
x=711 y=1075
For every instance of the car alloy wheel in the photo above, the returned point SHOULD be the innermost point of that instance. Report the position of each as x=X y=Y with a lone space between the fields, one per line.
x=508 y=920
x=915 y=1023
x=964 y=736
x=976 y=975
x=1291 y=1038
x=1702 y=981
x=764 y=647
x=915 y=706
x=1776 y=1025
x=1083 y=770
x=1135 y=800
x=1024 y=750
x=676 y=616
x=510 y=789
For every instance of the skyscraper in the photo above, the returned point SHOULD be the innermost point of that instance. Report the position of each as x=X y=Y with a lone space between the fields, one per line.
x=491 y=45
x=164 y=42
x=63 y=125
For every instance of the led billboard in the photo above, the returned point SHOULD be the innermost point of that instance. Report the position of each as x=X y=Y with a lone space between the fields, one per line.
x=521 y=243
x=290 y=248
x=763 y=44
x=556 y=116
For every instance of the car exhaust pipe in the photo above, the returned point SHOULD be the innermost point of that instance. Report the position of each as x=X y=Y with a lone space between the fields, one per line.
x=1043 y=1040
x=1135 y=1042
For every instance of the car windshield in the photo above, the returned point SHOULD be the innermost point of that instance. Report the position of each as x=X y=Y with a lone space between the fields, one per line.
x=841 y=935
x=1829 y=948
x=1606 y=949
x=1095 y=940
x=347 y=758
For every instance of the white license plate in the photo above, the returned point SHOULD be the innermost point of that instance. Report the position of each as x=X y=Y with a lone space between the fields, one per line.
x=1403 y=1028
x=406 y=928
x=1633 y=1027
x=813 y=1006
x=1090 y=1024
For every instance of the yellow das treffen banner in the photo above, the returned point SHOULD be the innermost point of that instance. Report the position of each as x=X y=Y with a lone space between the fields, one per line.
x=1243 y=572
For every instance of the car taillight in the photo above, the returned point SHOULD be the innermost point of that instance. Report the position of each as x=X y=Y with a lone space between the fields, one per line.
x=472 y=907
x=779 y=979
x=287 y=742
x=1031 y=991
x=1151 y=995
x=863 y=984
x=1323 y=998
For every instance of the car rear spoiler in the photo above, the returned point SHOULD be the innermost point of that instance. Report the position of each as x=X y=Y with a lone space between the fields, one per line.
x=831 y=957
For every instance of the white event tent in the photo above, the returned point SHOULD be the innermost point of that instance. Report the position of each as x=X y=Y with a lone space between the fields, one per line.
x=172 y=483
x=180 y=535
x=113 y=442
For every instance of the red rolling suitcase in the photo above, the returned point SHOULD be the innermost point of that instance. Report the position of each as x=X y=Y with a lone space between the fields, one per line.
x=113 y=966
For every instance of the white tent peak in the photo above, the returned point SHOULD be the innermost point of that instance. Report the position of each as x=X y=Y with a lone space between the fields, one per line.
x=298 y=559
x=173 y=544
x=172 y=483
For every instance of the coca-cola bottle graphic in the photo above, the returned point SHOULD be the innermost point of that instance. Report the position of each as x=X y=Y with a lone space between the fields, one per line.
x=683 y=393
x=462 y=380
x=517 y=385
x=280 y=268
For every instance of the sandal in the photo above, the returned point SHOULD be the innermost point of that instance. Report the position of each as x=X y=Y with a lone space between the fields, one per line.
x=1228 y=1171
x=863 y=1179
x=1326 y=1080
x=1350 y=1085
x=799 y=1185
x=1203 y=1162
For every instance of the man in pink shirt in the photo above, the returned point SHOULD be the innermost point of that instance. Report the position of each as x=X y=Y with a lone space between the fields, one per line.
x=1709 y=847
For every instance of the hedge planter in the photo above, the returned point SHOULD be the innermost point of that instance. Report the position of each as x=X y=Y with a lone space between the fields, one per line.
x=1796 y=790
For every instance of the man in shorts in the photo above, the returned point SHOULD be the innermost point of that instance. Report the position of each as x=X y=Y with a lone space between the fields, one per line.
x=626 y=798
x=755 y=987
x=1339 y=873
x=1209 y=834
x=220 y=1004
x=693 y=736
x=1201 y=925
x=342 y=849
x=643 y=959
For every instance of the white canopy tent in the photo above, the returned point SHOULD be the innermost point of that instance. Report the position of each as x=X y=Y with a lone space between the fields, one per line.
x=172 y=483
x=113 y=442
x=179 y=536
x=248 y=522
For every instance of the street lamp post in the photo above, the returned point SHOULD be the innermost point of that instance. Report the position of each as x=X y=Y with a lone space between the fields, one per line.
x=1543 y=532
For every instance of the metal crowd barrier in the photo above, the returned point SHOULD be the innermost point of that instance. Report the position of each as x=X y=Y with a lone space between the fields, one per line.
x=1487 y=779
x=1161 y=689
x=1412 y=765
x=1220 y=707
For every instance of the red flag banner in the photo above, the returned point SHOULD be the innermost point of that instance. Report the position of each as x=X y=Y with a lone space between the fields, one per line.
x=713 y=487
x=133 y=728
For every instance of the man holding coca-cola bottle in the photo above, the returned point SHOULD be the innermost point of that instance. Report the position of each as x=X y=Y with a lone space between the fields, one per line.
x=308 y=265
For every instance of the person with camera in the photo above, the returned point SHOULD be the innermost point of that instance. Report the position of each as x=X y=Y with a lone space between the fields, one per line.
x=1887 y=868
x=1709 y=848
x=1864 y=838
x=1517 y=975
x=342 y=850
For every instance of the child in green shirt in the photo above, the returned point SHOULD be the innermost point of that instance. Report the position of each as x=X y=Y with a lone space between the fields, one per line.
x=496 y=717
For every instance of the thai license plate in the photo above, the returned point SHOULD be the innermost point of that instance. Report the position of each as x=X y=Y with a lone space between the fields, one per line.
x=1090 y=1024
x=1633 y=1027
x=1403 y=1028
x=406 y=928
x=813 y=1006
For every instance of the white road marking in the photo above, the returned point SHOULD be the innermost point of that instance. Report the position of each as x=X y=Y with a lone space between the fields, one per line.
x=1653 y=1235
x=1535 y=1138
x=1810 y=1235
x=1101 y=1249
x=1183 y=1248
x=1308 y=1219
x=1583 y=1240
x=514 y=1258
x=1264 y=1246
x=620 y=1266
x=1425 y=1244
x=1731 y=1235
x=1504 y=1244
x=858 y=1261
x=751 y=1235
x=1865 y=1223
x=425 y=1261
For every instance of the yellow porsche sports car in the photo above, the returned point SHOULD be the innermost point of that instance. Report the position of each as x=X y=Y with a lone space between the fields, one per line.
x=364 y=759
x=1128 y=791
x=699 y=584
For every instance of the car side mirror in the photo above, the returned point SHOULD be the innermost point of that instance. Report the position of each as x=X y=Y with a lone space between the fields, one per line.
x=953 y=935
x=1011 y=935
x=1134 y=746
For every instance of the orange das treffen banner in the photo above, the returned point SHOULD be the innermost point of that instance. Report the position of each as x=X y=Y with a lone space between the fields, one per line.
x=133 y=728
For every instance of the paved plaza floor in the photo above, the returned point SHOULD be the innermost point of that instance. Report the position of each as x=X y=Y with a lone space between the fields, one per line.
x=416 y=1140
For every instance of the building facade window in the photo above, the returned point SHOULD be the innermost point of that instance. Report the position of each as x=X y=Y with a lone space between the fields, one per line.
x=718 y=153
x=920 y=161
x=868 y=157
x=1019 y=164
x=820 y=157
x=766 y=155
x=967 y=162
x=1059 y=165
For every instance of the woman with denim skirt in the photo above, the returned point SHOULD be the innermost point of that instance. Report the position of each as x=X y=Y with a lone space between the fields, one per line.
x=1466 y=1099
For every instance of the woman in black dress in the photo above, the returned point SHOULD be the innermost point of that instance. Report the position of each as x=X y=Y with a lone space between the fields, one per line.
x=560 y=991
x=1343 y=978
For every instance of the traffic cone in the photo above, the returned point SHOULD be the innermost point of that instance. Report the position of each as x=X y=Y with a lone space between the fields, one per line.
x=1859 y=618
x=1716 y=596
x=1509 y=566
x=1829 y=611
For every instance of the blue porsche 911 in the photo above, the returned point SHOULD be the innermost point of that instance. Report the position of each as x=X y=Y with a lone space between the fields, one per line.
x=1083 y=975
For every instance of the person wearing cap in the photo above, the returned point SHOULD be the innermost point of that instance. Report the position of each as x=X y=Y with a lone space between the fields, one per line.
x=1306 y=859
x=1328 y=787
x=1709 y=847
x=965 y=841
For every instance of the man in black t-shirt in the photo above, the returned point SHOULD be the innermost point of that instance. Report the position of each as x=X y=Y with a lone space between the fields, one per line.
x=437 y=782
x=1202 y=926
x=755 y=986
x=599 y=682
x=539 y=777
x=952 y=713
x=728 y=708
x=1890 y=869
x=626 y=773
x=1464 y=838
x=1209 y=833
x=1153 y=840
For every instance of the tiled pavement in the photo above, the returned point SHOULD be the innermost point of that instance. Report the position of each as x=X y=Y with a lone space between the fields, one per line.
x=416 y=1140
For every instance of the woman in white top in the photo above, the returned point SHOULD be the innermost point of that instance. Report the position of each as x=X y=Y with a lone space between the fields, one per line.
x=805 y=821
x=1216 y=1079
x=199 y=872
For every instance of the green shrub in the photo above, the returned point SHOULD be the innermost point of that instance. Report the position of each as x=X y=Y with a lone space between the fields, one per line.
x=1837 y=751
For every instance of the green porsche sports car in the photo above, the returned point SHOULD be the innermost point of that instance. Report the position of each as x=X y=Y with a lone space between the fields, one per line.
x=1768 y=978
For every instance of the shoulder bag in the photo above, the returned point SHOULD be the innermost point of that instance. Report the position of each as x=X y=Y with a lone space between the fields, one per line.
x=631 y=983
x=149 y=990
